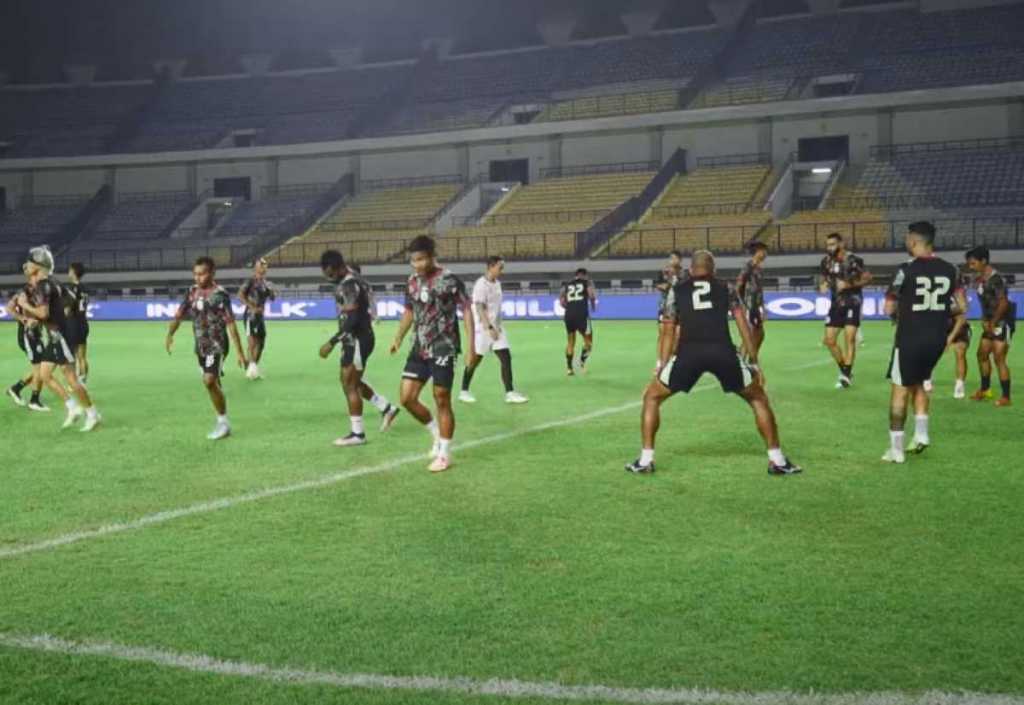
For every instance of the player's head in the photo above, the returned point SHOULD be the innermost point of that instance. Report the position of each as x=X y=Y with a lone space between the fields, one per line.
x=423 y=254
x=675 y=259
x=332 y=264
x=702 y=264
x=977 y=258
x=261 y=266
x=353 y=267
x=758 y=250
x=834 y=243
x=920 y=237
x=495 y=266
x=76 y=270
x=581 y=273
x=42 y=259
x=203 y=270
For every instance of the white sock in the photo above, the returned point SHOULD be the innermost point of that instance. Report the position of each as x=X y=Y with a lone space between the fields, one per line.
x=896 y=441
x=921 y=428
x=91 y=412
x=381 y=403
x=357 y=425
x=443 y=444
x=71 y=404
x=222 y=419
x=646 y=456
x=959 y=383
x=434 y=429
x=775 y=455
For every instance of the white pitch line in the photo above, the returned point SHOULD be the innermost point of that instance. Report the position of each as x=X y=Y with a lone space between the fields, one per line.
x=203 y=664
x=258 y=495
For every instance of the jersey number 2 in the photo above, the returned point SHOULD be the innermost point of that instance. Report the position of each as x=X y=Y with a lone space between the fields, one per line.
x=930 y=292
x=701 y=290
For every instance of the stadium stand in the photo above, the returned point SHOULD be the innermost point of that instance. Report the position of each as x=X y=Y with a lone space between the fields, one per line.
x=45 y=221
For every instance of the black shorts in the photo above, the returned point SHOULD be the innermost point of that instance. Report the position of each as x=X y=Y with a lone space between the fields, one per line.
x=911 y=363
x=1002 y=332
x=693 y=360
x=440 y=369
x=21 y=338
x=211 y=364
x=358 y=353
x=256 y=326
x=755 y=317
x=964 y=336
x=576 y=324
x=34 y=346
x=77 y=333
x=842 y=315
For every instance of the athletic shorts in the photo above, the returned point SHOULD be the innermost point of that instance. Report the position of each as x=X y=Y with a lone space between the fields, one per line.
x=1003 y=332
x=57 y=351
x=964 y=336
x=439 y=369
x=483 y=343
x=358 y=353
x=578 y=325
x=912 y=363
x=755 y=317
x=256 y=326
x=842 y=315
x=34 y=346
x=211 y=364
x=693 y=360
x=77 y=333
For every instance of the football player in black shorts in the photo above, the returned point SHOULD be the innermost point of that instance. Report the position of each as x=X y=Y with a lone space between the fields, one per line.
x=255 y=293
x=433 y=296
x=213 y=322
x=578 y=298
x=844 y=276
x=77 y=311
x=355 y=333
x=750 y=288
x=703 y=304
x=998 y=324
x=667 y=279
x=923 y=296
x=32 y=379
x=47 y=339
x=961 y=342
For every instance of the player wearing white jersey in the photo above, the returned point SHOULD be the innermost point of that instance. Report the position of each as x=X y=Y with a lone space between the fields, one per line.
x=490 y=333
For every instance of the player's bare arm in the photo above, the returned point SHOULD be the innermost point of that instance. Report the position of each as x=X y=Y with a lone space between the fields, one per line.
x=403 y=327
x=243 y=361
x=467 y=315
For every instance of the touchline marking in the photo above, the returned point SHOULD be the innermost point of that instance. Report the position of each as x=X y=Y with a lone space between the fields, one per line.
x=258 y=495
x=203 y=664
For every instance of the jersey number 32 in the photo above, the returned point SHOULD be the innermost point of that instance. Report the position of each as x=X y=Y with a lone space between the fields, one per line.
x=929 y=293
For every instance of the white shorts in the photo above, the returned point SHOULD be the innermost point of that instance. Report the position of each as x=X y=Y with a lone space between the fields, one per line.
x=483 y=342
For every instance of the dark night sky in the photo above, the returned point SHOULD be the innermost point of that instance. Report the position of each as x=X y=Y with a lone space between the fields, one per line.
x=123 y=36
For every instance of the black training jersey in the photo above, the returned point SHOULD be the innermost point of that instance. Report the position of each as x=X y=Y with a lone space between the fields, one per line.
x=846 y=268
x=50 y=293
x=925 y=290
x=576 y=295
x=353 y=291
x=991 y=289
x=750 y=286
x=257 y=290
x=703 y=305
x=76 y=302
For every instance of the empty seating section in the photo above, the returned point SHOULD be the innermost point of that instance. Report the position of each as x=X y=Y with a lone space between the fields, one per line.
x=542 y=219
x=587 y=107
x=274 y=214
x=42 y=223
x=746 y=89
x=372 y=227
x=712 y=207
x=142 y=216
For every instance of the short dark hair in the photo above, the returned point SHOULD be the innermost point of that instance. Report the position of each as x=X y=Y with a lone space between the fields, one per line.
x=493 y=260
x=979 y=253
x=78 y=268
x=755 y=245
x=923 y=228
x=835 y=236
x=581 y=270
x=332 y=259
x=422 y=243
x=676 y=253
x=355 y=268
x=205 y=261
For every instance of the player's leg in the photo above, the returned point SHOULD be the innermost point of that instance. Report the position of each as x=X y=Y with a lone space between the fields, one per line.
x=831 y=341
x=850 y=354
x=1000 y=351
x=898 y=399
x=415 y=376
x=443 y=377
x=650 y=421
x=14 y=391
x=960 y=355
x=984 y=369
x=512 y=396
x=351 y=382
x=34 y=402
x=666 y=341
x=768 y=428
x=82 y=361
x=211 y=367
x=921 y=400
x=757 y=338
x=588 y=346
x=472 y=362
x=570 y=350
x=92 y=416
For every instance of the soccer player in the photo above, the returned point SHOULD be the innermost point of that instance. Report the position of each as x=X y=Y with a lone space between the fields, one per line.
x=667 y=279
x=998 y=324
x=703 y=304
x=844 y=276
x=77 y=311
x=355 y=333
x=750 y=289
x=209 y=307
x=924 y=295
x=33 y=379
x=490 y=334
x=578 y=298
x=255 y=293
x=433 y=296
x=47 y=338
x=961 y=342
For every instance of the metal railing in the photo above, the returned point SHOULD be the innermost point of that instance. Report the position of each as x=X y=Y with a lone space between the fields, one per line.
x=561 y=216
x=555 y=172
x=393 y=224
x=313 y=189
x=706 y=209
x=611 y=105
x=749 y=159
x=408 y=182
x=883 y=151
x=968 y=199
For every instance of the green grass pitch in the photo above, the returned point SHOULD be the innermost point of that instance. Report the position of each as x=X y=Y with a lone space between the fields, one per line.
x=536 y=557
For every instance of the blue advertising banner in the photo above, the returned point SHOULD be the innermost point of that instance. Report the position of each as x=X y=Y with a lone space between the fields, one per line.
x=779 y=305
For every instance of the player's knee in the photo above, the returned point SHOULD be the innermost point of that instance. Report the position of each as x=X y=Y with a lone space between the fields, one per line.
x=210 y=381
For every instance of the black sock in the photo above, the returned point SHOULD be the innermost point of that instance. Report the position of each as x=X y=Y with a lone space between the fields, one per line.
x=35 y=397
x=1005 y=384
x=986 y=382
x=568 y=361
x=18 y=386
x=505 y=357
x=467 y=377
x=847 y=370
x=584 y=355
